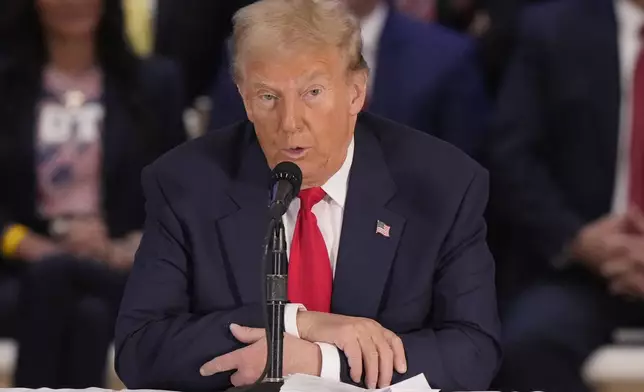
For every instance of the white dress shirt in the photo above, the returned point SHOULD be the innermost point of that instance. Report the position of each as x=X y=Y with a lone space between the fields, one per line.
x=329 y=213
x=371 y=28
x=630 y=20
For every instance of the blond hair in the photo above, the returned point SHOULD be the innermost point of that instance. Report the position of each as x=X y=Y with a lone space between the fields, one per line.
x=288 y=24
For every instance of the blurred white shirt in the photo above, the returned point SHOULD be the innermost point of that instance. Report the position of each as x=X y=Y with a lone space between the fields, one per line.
x=630 y=21
x=371 y=27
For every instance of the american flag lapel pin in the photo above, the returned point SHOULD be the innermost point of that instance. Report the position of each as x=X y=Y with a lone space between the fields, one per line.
x=382 y=228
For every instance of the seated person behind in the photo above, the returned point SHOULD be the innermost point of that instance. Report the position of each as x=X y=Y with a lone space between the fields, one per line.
x=81 y=117
x=400 y=273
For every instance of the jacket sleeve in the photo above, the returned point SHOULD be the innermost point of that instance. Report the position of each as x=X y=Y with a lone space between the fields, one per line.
x=160 y=343
x=459 y=348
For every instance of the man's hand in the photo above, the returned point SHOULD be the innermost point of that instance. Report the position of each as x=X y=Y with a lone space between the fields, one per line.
x=626 y=274
x=361 y=340
x=300 y=356
x=618 y=252
x=602 y=241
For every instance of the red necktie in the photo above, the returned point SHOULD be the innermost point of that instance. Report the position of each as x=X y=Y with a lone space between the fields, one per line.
x=309 y=271
x=636 y=177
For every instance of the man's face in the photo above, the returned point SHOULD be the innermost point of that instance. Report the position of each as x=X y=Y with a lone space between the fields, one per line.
x=304 y=107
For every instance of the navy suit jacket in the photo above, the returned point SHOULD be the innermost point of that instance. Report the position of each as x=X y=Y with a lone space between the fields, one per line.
x=197 y=270
x=426 y=77
x=554 y=144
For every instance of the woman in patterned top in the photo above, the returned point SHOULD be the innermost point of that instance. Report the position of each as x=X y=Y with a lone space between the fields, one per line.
x=81 y=116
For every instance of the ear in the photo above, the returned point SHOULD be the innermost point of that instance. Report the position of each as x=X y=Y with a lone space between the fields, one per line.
x=247 y=105
x=358 y=90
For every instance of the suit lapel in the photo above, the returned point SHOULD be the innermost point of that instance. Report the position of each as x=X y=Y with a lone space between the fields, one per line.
x=365 y=257
x=243 y=230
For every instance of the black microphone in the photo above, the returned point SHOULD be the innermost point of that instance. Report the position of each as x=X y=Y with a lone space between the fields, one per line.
x=286 y=180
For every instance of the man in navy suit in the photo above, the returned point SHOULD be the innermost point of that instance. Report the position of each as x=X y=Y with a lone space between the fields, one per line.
x=567 y=178
x=422 y=75
x=389 y=272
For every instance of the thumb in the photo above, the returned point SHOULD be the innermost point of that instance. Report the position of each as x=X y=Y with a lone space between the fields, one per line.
x=246 y=334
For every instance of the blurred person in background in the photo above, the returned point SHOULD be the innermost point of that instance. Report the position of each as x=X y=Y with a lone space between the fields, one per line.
x=193 y=32
x=492 y=22
x=190 y=32
x=82 y=115
x=421 y=75
x=567 y=172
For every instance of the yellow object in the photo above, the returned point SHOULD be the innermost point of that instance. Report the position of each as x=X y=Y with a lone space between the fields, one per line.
x=138 y=25
x=12 y=238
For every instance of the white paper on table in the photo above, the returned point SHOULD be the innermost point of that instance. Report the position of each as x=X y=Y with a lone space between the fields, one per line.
x=306 y=383
x=93 y=389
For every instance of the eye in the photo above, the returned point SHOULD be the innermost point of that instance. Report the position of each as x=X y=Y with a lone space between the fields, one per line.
x=314 y=92
x=267 y=97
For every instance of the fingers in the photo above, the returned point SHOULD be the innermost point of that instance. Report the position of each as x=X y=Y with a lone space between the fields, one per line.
x=246 y=334
x=612 y=269
x=371 y=360
x=222 y=363
x=616 y=245
x=241 y=378
x=396 y=344
x=385 y=361
x=630 y=284
x=353 y=352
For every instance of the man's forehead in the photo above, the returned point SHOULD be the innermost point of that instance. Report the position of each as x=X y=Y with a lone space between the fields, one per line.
x=298 y=68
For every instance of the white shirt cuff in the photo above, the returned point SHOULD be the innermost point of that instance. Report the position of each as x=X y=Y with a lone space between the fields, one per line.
x=330 y=362
x=290 y=319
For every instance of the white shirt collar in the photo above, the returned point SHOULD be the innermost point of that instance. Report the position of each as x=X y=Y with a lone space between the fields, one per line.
x=630 y=17
x=373 y=24
x=336 y=186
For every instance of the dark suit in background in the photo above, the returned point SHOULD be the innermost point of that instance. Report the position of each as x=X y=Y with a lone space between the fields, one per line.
x=431 y=281
x=426 y=77
x=552 y=162
x=192 y=33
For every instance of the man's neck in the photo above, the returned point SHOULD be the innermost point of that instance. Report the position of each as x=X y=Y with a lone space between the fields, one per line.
x=73 y=56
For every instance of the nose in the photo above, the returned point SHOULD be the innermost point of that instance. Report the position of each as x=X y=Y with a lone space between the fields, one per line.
x=291 y=114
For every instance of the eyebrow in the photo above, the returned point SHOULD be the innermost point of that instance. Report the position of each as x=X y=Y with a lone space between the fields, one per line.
x=260 y=85
x=304 y=78
x=314 y=75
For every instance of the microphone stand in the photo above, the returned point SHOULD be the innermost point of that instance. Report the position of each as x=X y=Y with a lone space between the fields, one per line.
x=276 y=300
x=275 y=282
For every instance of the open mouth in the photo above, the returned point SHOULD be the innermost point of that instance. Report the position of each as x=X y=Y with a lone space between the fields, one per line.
x=296 y=152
